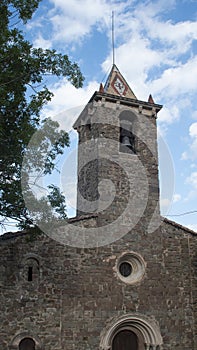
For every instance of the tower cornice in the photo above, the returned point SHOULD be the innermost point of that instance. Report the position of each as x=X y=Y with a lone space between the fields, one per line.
x=97 y=96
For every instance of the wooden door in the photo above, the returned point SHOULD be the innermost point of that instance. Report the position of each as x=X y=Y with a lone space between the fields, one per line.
x=125 y=340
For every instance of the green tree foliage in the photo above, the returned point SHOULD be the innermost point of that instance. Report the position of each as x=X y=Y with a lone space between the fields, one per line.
x=23 y=69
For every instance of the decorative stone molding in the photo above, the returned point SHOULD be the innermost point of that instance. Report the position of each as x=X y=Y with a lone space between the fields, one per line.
x=137 y=267
x=147 y=328
x=26 y=334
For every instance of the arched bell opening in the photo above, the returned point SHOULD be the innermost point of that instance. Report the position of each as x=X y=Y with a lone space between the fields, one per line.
x=127 y=140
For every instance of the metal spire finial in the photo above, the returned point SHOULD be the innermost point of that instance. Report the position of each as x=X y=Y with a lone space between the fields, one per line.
x=113 y=49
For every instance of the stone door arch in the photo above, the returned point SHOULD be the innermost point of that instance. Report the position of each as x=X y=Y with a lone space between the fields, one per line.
x=146 y=330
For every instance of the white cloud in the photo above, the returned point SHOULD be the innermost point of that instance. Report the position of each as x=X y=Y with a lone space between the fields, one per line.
x=136 y=54
x=165 y=202
x=161 y=131
x=169 y=115
x=74 y=19
x=41 y=42
x=193 y=149
x=86 y=9
x=184 y=156
x=191 y=153
x=193 y=130
x=136 y=30
x=194 y=115
x=177 y=36
x=192 y=180
x=180 y=34
x=68 y=102
x=177 y=81
x=165 y=205
x=176 y=197
x=35 y=23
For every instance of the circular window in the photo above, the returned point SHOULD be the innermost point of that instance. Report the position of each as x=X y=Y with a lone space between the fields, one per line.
x=130 y=267
x=125 y=269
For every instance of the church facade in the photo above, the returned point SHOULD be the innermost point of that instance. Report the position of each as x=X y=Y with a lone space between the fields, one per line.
x=127 y=278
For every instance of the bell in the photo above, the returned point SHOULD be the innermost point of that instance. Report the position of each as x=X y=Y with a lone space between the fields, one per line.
x=126 y=141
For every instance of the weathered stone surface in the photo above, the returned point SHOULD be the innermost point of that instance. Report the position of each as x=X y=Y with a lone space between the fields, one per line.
x=78 y=290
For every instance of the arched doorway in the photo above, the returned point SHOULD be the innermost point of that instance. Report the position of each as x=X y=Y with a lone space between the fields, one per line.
x=125 y=340
x=27 y=344
x=131 y=332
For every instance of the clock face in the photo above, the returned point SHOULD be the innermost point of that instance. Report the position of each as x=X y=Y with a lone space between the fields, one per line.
x=119 y=86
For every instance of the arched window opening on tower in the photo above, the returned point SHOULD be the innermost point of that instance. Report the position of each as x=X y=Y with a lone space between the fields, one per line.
x=127 y=139
x=27 y=344
x=127 y=134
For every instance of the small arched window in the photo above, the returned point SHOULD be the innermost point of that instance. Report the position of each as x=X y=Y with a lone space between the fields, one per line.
x=31 y=270
x=27 y=344
x=25 y=341
x=125 y=340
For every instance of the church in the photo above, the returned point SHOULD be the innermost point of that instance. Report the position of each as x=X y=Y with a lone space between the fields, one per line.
x=118 y=276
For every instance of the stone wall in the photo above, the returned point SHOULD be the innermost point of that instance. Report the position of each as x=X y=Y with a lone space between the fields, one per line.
x=78 y=292
x=105 y=171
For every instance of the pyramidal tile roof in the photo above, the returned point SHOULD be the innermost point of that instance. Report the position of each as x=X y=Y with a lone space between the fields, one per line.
x=117 y=85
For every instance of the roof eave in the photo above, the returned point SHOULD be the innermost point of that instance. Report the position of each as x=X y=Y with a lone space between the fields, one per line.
x=125 y=101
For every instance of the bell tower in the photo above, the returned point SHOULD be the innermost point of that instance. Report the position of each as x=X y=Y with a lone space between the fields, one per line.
x=117 y=154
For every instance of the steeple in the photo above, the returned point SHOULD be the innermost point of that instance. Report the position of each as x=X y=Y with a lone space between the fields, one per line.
x=118 y=145
x=117 y=85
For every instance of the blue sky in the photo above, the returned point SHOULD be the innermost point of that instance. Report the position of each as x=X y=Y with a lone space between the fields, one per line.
x=156 y=51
